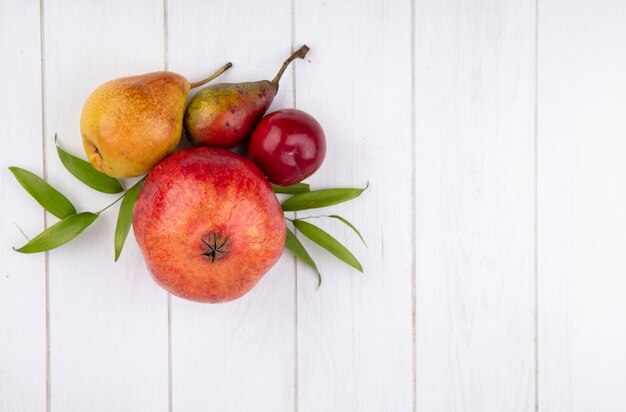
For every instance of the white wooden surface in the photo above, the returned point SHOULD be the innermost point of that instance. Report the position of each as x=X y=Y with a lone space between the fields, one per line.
x=582 y=206
x=492 y=134
x=108 y=322
x=474 y=212
x=22 y=278
x=355 y=334
x=237 y=356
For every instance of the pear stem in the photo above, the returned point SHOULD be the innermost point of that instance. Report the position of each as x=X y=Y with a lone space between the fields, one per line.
x=300 y=53
x=213 y=76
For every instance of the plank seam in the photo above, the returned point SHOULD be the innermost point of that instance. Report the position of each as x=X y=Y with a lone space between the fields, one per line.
x=170 y=399
x=413 y=234
x=42 y=52
x=295 y=260
x=536 y=211
x=166 y=37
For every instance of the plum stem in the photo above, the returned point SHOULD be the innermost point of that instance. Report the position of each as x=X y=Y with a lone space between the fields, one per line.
x=300 y=53
x=213 y=76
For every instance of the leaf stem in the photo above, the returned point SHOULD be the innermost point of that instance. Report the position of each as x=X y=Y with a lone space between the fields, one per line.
x=307 y=217
x=22 y=232
x=121 y=197
x=114 y=202
x=350 y=225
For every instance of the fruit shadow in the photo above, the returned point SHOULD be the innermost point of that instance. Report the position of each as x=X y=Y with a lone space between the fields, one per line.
x=185 y=143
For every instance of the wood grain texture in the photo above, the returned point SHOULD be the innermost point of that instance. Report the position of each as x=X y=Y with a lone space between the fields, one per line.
x=22 y=277
x=348 y=346
x=354 y=333
x=475 y=205
x=237 y=356
x=582 y=218
x=108 y=320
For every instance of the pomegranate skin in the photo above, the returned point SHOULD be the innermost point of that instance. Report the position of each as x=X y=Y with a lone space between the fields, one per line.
x=208 y=224
x=289 y=145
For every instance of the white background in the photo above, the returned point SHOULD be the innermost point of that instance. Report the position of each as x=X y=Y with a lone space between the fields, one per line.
x=493 y=135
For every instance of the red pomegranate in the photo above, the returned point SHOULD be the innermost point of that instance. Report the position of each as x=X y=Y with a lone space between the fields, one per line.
x=208 y=224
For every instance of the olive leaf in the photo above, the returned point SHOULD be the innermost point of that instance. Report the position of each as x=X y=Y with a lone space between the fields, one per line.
x=47 y=196
x=328 y=242
x=297 y=249
x=125 y=217
x=320 y=198
x=59 y=233
x=293 y=189
x=86 y=173
x=350 y=225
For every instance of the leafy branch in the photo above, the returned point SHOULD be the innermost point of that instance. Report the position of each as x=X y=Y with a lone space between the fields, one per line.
x=305 y=199
x=73 y=223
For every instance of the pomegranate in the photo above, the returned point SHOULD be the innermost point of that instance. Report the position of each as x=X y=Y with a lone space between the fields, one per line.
x=208 y=224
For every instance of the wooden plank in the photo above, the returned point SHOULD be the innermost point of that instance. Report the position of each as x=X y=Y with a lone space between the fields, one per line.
x=582 y=204
x=237 y=356
x=22 y=277
x=355 y=332
x=474 y=154
x=108 y=320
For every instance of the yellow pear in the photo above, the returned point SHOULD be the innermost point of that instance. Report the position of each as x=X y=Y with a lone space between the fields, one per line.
x=129 y=124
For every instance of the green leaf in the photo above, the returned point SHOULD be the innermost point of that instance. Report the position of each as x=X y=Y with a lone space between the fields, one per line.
x=293 y=189
x=320 y=198
x=86 y=173
x=328 y=242
x=350 y=225
x=125 y=217
x=293 y=244
x=47 y=196
x=59 y=233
